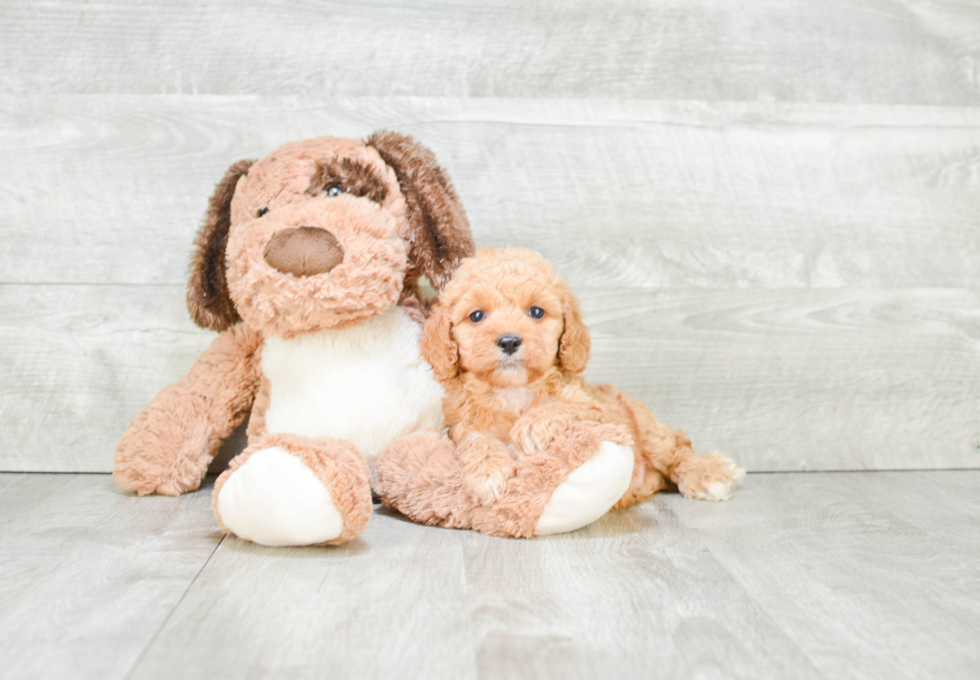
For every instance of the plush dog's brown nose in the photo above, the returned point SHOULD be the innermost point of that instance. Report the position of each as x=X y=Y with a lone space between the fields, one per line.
x=304 y=251
x=508 y=343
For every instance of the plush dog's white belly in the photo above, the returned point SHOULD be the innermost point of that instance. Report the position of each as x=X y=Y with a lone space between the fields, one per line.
x=368 y=385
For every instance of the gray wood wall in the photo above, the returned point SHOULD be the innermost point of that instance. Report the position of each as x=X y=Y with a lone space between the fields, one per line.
x=769 y=208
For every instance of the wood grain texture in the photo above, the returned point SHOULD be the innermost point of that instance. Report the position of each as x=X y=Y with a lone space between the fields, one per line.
x=112 y=189
x=388 y=604
x=802 y=379
x=628 y=596
x=818 y=575
x=888 y=51
x=89 y=574
x=778 y=379
x=862 y=592
x=79 y=362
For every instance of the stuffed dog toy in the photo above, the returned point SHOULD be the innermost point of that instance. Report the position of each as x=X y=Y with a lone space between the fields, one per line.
x=308 y=265
x=508 y=343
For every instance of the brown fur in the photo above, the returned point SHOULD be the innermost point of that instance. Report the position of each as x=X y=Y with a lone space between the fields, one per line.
x=421 y=476
x=528 y=401
x=366 y=259
x=353 y=177
x=440 y=235
x=166 y=449
x=207 y=293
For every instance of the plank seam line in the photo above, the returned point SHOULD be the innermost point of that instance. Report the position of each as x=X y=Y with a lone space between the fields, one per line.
x=751 y=472
x=166 y=620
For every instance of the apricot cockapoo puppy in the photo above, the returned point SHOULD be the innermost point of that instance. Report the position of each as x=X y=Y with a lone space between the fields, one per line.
x=508 y=343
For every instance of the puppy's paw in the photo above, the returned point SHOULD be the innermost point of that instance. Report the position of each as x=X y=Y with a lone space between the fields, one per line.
x=485 y=488
x=708 y=477
x=533 y=435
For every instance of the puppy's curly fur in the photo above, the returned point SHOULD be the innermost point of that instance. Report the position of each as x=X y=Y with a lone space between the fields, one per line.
x=508 y=343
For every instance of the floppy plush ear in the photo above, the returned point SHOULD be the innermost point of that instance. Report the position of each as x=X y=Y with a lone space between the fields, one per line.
x=438 y=346
x=208 y=300
x=439 y=232
x=575 y=342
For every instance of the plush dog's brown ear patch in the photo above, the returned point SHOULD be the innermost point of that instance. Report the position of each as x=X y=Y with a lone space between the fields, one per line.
x=440 y=234
x=350 y=176
x=208 y=300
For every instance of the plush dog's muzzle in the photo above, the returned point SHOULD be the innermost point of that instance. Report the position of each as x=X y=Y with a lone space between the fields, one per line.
x=316 y=264
x=304 y=251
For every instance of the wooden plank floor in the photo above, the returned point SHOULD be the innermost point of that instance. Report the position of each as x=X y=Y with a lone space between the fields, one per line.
x=815 y=575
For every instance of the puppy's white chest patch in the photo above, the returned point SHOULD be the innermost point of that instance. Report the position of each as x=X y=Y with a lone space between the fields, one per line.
x=515 y=399
x=368 y=385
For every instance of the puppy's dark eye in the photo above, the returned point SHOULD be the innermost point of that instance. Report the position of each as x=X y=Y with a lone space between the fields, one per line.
x=535 y=312
x=334 y=191
x=263 y=211
x=477 y=316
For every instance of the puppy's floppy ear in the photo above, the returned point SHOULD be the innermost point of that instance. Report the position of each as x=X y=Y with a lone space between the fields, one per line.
x=575 y=342
x=439 y=232
x=208 y=300
x=438 y=346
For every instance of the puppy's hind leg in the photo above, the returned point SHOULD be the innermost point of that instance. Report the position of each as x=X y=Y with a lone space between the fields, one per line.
x=665 y=455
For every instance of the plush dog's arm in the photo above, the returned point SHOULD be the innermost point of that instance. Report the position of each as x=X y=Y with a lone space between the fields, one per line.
x=487 y=464
x=167 y=447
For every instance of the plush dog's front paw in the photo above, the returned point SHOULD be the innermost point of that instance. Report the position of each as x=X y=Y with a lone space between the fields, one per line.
x=291 y=491
x=708 y=477
x=164 y=450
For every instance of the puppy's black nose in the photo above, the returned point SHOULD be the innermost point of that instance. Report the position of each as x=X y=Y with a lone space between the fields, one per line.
x=508 y=343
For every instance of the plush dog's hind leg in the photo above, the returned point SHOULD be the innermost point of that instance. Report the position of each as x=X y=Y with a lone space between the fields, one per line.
x=290 y=490
x=569 y=485
x=421 y=477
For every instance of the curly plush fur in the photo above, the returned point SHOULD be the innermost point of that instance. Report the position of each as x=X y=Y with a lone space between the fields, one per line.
x=508 y=343
x=308 y=264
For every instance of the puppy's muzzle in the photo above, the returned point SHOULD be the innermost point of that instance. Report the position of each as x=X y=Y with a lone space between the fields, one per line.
x=508 y=343
x=304 y=251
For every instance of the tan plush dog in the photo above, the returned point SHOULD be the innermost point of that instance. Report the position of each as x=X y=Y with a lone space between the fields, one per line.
x=508 y=343
x=308 y=265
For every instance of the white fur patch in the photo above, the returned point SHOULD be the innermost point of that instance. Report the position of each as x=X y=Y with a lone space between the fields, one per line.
x=368 y=384
x=275 y=499
x=514 y=398
x=722 y=489
x=589 y=491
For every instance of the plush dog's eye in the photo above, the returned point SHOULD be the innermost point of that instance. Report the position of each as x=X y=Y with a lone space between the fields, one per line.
x=535 y=312
x=263 y=211
x=334 y=191
x=477 y=316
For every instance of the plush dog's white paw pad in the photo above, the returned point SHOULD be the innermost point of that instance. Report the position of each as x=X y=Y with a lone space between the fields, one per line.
x=275 y=499
x=589 y=491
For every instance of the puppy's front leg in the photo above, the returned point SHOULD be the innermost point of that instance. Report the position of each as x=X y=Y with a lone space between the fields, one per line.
x=487 y=465
x=540 y=426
